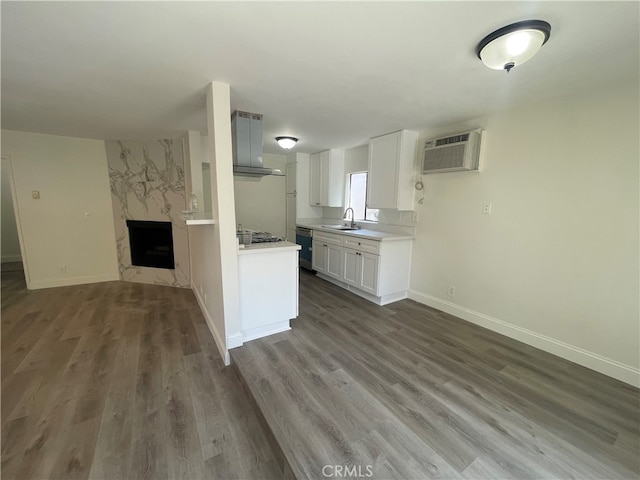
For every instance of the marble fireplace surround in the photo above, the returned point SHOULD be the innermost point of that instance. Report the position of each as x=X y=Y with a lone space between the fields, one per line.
x=147 y=183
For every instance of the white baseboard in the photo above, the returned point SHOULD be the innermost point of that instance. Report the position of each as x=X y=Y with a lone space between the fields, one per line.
x=606 y=366
x=259 y=332
x=212 y=327
x=65 y=282
x=10 y=258
x=234 y=340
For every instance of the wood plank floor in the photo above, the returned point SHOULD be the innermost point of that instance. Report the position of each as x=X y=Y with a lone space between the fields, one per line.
x=406 y=391
x=120 y=380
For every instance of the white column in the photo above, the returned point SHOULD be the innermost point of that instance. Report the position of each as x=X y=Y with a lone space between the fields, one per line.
x=223 y=205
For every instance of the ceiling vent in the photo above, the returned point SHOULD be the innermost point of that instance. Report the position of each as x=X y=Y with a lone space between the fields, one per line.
x=454 y=153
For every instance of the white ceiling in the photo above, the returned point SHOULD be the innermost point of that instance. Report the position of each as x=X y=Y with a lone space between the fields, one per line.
x=331 y=73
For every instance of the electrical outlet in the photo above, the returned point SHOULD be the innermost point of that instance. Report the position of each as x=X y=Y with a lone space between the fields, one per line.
x=452 y=291
x=486 y=208
x=415 y=217
x=63 y=269
x=87 y=216
x=35 y=194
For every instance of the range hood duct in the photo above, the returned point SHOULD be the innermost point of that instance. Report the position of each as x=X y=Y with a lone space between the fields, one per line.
x=246 y=137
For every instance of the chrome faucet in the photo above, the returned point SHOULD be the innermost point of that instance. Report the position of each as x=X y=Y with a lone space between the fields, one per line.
x=353 y=220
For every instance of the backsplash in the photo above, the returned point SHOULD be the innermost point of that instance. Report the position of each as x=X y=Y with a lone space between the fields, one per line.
x=147 y=183
x=388 y=219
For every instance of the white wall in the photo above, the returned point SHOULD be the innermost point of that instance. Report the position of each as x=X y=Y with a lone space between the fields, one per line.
x=10 y=247
x=261 y=203
x=213 y=248
x=556 y=263
x=206 y=281
x=72 y=177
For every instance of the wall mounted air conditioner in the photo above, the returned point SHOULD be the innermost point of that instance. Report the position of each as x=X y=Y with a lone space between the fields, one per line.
x=454 y=153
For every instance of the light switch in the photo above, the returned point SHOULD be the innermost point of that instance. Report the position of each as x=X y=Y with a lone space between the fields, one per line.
x=35 y=194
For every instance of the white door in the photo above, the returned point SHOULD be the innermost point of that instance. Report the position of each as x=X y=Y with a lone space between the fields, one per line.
x=368 y=274
x=334 y=261
x=325 y=170
x=314 y=180
x=291 y=211
x=382 y=178
x=319 y=257
x=350 y=266
x=291 y=178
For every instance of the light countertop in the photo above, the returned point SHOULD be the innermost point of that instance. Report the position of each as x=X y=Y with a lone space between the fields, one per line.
x=362 y=233
x=268 y=247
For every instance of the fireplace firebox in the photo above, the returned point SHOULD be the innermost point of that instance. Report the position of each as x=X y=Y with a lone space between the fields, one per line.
x=151 y=244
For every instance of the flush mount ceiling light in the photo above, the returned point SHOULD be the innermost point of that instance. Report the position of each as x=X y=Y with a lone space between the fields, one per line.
x=513 y=45
x=286 y=142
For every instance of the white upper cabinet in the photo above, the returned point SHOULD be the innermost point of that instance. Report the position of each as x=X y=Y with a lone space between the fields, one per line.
x=391 y=170
x=326 y=179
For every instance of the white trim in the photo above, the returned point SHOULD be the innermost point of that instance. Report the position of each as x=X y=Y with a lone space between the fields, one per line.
x=65 y=282
x=604 y=365
x=234 y=340
x=259 y=332
x=11 y=258
x=217 y=338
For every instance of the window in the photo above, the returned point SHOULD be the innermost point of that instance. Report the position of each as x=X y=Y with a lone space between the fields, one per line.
x=357 y=198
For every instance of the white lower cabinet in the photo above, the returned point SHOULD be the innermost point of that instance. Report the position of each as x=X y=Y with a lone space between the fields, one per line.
x=327 y=255
x=361 y=270
x=319 y=256
x=334 y=261
x=377 y=271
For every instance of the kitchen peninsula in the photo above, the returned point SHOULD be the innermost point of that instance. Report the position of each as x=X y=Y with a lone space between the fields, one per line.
x=268 y=278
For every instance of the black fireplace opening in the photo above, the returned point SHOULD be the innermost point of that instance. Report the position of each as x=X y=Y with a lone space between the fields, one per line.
x=151 y=244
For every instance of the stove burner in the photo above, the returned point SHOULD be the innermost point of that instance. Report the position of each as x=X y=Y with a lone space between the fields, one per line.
x=264 y=237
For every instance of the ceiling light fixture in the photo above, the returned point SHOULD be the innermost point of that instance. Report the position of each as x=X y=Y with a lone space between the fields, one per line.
x=513 y=45
x=286 y=142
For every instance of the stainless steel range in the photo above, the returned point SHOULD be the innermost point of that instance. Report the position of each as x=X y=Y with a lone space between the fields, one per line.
x=264 y=237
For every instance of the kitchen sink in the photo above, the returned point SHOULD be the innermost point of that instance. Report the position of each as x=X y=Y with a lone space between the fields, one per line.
x=340 y=227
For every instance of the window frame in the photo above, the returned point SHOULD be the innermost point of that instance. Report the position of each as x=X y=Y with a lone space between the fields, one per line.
x=370 y=214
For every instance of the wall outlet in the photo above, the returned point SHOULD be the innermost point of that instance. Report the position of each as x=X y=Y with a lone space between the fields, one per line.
x=87 y=216
x=414 y=217
x=35 y=194
x=486 y=208
x=63 y=269
x=452 y=291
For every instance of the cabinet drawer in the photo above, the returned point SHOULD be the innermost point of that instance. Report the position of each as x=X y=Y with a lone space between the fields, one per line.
x=327 y=238
x=364 y=245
